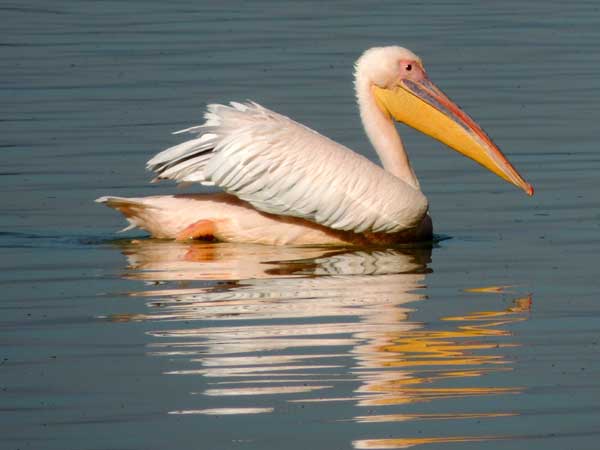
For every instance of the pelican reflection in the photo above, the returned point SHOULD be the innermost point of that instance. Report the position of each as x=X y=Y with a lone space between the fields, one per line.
x=261 y=325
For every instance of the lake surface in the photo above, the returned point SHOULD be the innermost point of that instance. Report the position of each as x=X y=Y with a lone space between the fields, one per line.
x=487 y=340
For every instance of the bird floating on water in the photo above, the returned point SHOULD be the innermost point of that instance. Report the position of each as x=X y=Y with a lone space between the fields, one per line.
x=286 y=184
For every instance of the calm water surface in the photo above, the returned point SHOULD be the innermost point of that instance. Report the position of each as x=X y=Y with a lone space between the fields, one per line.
x=488 y=340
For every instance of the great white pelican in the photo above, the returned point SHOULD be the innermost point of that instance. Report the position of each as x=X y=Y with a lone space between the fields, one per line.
x=285 y=183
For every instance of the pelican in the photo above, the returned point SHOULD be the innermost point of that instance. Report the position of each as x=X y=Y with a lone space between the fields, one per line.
x=286 y=184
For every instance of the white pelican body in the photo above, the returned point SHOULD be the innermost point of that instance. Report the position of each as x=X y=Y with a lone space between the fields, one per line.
x=287 y=184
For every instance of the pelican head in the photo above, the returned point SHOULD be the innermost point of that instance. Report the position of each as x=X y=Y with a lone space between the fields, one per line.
x=403 y=91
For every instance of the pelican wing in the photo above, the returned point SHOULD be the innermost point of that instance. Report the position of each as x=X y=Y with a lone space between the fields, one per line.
x=282 y=167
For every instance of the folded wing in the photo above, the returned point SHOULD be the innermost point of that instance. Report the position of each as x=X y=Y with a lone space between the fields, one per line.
x=282 y=167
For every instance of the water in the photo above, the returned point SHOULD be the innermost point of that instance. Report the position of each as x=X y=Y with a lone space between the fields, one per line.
x=489 y=339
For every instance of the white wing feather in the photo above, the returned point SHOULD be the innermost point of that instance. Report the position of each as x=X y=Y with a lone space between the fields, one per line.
x=283 y=167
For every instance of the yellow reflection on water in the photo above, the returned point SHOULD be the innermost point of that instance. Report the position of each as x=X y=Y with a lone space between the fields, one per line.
x=406 y=417
x=422 y=358
x=488 y=289
x=411 y=442
x=319 y=325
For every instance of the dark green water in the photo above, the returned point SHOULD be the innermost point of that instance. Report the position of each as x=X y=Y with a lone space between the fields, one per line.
x=489 y=340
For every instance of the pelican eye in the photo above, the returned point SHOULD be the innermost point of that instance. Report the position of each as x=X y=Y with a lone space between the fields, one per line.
x=409 y=67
